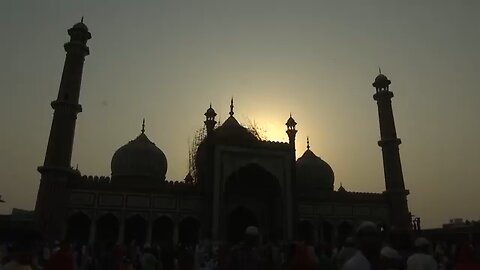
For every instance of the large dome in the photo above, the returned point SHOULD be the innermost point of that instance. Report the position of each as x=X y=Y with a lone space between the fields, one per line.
x=139 y=157
x=314 y=173
x=231 y=132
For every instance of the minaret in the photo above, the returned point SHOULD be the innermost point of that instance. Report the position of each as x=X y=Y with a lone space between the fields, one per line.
x=291 y=131
x=56 y=170
x=389 y=142
x=210 y=119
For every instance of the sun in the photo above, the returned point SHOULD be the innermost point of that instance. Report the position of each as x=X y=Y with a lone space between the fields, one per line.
x=272 y=130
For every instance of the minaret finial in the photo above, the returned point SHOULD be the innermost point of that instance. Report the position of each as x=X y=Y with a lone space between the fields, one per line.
x=210 y=104
x=231 y=107
x=308 y=143
x=143 y=126
x=379 y=70
x=81 y=20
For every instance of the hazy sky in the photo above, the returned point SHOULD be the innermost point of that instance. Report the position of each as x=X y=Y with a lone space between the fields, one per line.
x=167 y=60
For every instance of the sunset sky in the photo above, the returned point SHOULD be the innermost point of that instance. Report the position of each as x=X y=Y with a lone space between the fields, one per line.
x=166 y=60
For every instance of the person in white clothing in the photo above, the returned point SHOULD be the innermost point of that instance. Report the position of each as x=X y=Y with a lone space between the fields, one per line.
x=391 y=259
x=421 y=259
x=369 y=244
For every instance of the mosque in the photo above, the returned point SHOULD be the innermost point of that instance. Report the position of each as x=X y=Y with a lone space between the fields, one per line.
x=239 y=180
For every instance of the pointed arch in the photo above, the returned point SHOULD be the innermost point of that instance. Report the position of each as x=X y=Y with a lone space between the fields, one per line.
x=135 y=230
x=162 y=231
x=78 y=228
x=107 y=230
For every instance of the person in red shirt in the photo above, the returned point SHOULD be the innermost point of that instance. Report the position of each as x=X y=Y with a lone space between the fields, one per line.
x=62 y=259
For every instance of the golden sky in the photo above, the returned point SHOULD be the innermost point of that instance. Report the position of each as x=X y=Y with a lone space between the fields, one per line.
x=167 y=60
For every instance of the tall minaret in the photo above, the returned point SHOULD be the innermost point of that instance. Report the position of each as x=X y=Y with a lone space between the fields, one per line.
x=395 y=187
x=56 y=170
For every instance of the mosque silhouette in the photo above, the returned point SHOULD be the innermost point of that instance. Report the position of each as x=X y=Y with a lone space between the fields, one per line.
x=239 y=180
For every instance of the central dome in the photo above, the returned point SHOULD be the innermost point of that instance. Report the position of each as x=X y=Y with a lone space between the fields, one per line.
x=231 y=132
x=139 y=157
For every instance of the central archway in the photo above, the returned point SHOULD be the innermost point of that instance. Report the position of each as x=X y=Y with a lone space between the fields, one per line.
x=237 y=221
x=252 y=197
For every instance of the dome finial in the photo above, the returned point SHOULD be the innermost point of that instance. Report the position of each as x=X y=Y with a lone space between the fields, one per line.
x=231 y=107
x=81 y=20
x=143 y=126
x=308 y=143
x=379 y=70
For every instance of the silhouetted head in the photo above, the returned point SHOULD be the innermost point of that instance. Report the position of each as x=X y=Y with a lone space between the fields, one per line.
x=252 y=235
x=390 y=258
x=422 y=245
x=369 y=239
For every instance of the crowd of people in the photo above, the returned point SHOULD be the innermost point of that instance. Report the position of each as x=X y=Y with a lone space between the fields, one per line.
x=367 y=249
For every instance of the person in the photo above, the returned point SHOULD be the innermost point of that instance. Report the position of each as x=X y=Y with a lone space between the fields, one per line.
x=443 y=262
x=62 y=259
x=21 y=257
x=246 y=255
x=324 y=262
x=148 y=260
x=369 y=244
x=466 y=258
x=304 y=256
x=204 y=254
x=345 y=253
x=421 y=259
x=271 y=253
x=391 y=259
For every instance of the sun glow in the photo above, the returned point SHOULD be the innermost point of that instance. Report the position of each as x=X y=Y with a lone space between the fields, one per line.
x=272 y=130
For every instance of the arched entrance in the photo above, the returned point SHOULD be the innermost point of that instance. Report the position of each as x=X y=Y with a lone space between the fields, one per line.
x=135 y=230
x=188 y=230
x=327 y=229
x=78 y=228
x=107 y=229
x=238 y=220
x=162 y=231
x=252 y=197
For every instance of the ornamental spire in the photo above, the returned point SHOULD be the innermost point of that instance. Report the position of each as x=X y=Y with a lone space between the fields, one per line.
x=308 y=143
x=231 y=107
x=143 y=126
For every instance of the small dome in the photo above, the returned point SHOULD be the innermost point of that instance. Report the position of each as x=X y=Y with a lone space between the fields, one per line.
x=313 y=172
x=210 y=112
x=381 y=81
x=81 y=26
x=139 y=157
x=291 y=122
x=380 y=77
